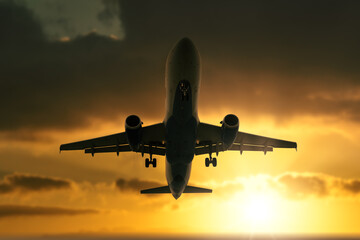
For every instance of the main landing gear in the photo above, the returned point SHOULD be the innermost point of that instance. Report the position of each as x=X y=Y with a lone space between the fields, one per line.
x=151 y=161
x=209 y=161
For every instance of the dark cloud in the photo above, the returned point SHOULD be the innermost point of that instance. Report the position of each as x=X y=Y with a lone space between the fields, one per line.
x=26 y=183
x=25 y=135
x=283 y=58
x=3 y=173
x=350 y=186
x=20 y=210
x=111 y=11
x=6 y=188
x=18 y=28
x=56 y=84
x=135 y=184
x=298 y=186
x=64 y=166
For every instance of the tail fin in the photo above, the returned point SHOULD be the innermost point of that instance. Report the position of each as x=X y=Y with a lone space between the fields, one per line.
x=166 y=189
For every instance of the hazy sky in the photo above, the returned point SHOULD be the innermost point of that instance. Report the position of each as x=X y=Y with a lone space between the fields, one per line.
x=72 y=70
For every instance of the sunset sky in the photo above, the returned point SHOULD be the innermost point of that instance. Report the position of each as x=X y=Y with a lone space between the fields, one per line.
x=73 y=70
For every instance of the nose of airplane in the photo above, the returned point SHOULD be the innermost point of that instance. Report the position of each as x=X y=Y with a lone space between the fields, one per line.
x=185 y=45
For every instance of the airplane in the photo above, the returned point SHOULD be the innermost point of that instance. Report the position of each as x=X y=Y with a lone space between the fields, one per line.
x=181 y=135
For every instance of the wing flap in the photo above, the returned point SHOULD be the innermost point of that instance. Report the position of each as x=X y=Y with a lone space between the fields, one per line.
x=235 y=147
x=126 y=148
x=238 y=147
x=122 y=148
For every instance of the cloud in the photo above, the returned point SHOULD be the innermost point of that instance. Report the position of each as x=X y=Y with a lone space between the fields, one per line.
x=299 y=186
x=42 y=72
x=290 y=185
x=21 y=210
x=61 y=19
x=110 y=12
x=282 y=68
x=135 y=184
x=227 y=188
x=303 y=185
x=351 y=186
x=31 y=183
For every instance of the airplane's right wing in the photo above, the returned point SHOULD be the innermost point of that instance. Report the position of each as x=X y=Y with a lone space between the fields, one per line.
x=110 y=140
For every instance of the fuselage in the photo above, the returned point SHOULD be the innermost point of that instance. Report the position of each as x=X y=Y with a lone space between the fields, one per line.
x=182 y=82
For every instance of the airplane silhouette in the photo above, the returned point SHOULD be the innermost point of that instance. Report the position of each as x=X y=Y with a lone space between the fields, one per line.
x=181 y=135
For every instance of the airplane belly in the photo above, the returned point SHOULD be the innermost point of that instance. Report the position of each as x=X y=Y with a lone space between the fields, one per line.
x=181 y=126
x=177 y=176
x=183 y=63
x=180 y=147
x=181 y=120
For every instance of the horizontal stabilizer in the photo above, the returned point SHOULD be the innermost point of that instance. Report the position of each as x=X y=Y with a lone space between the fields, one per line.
x=191 y=189
x=166 y=189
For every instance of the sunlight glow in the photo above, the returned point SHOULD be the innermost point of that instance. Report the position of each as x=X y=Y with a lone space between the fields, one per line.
x=258 y=208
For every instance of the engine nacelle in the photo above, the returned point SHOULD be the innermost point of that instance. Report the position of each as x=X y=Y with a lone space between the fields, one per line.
x=133 y=129
x=230 y=127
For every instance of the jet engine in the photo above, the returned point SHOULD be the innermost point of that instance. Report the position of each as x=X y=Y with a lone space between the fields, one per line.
x=230 y=127
x=133 y=129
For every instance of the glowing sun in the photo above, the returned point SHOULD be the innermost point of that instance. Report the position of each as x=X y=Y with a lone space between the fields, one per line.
x=259 y=208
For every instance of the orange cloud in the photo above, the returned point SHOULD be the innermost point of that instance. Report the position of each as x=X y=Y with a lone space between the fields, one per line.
x=135 y=184
x=298 y=186
x=304 y=185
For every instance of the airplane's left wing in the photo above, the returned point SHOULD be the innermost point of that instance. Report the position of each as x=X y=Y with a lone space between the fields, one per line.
x=153 y=137
x=210 y=140
x=251 y=139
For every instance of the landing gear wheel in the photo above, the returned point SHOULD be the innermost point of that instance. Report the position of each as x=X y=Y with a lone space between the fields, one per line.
x=214 y=162
x=147 y=162
x=207 y=162
x=154 y=162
